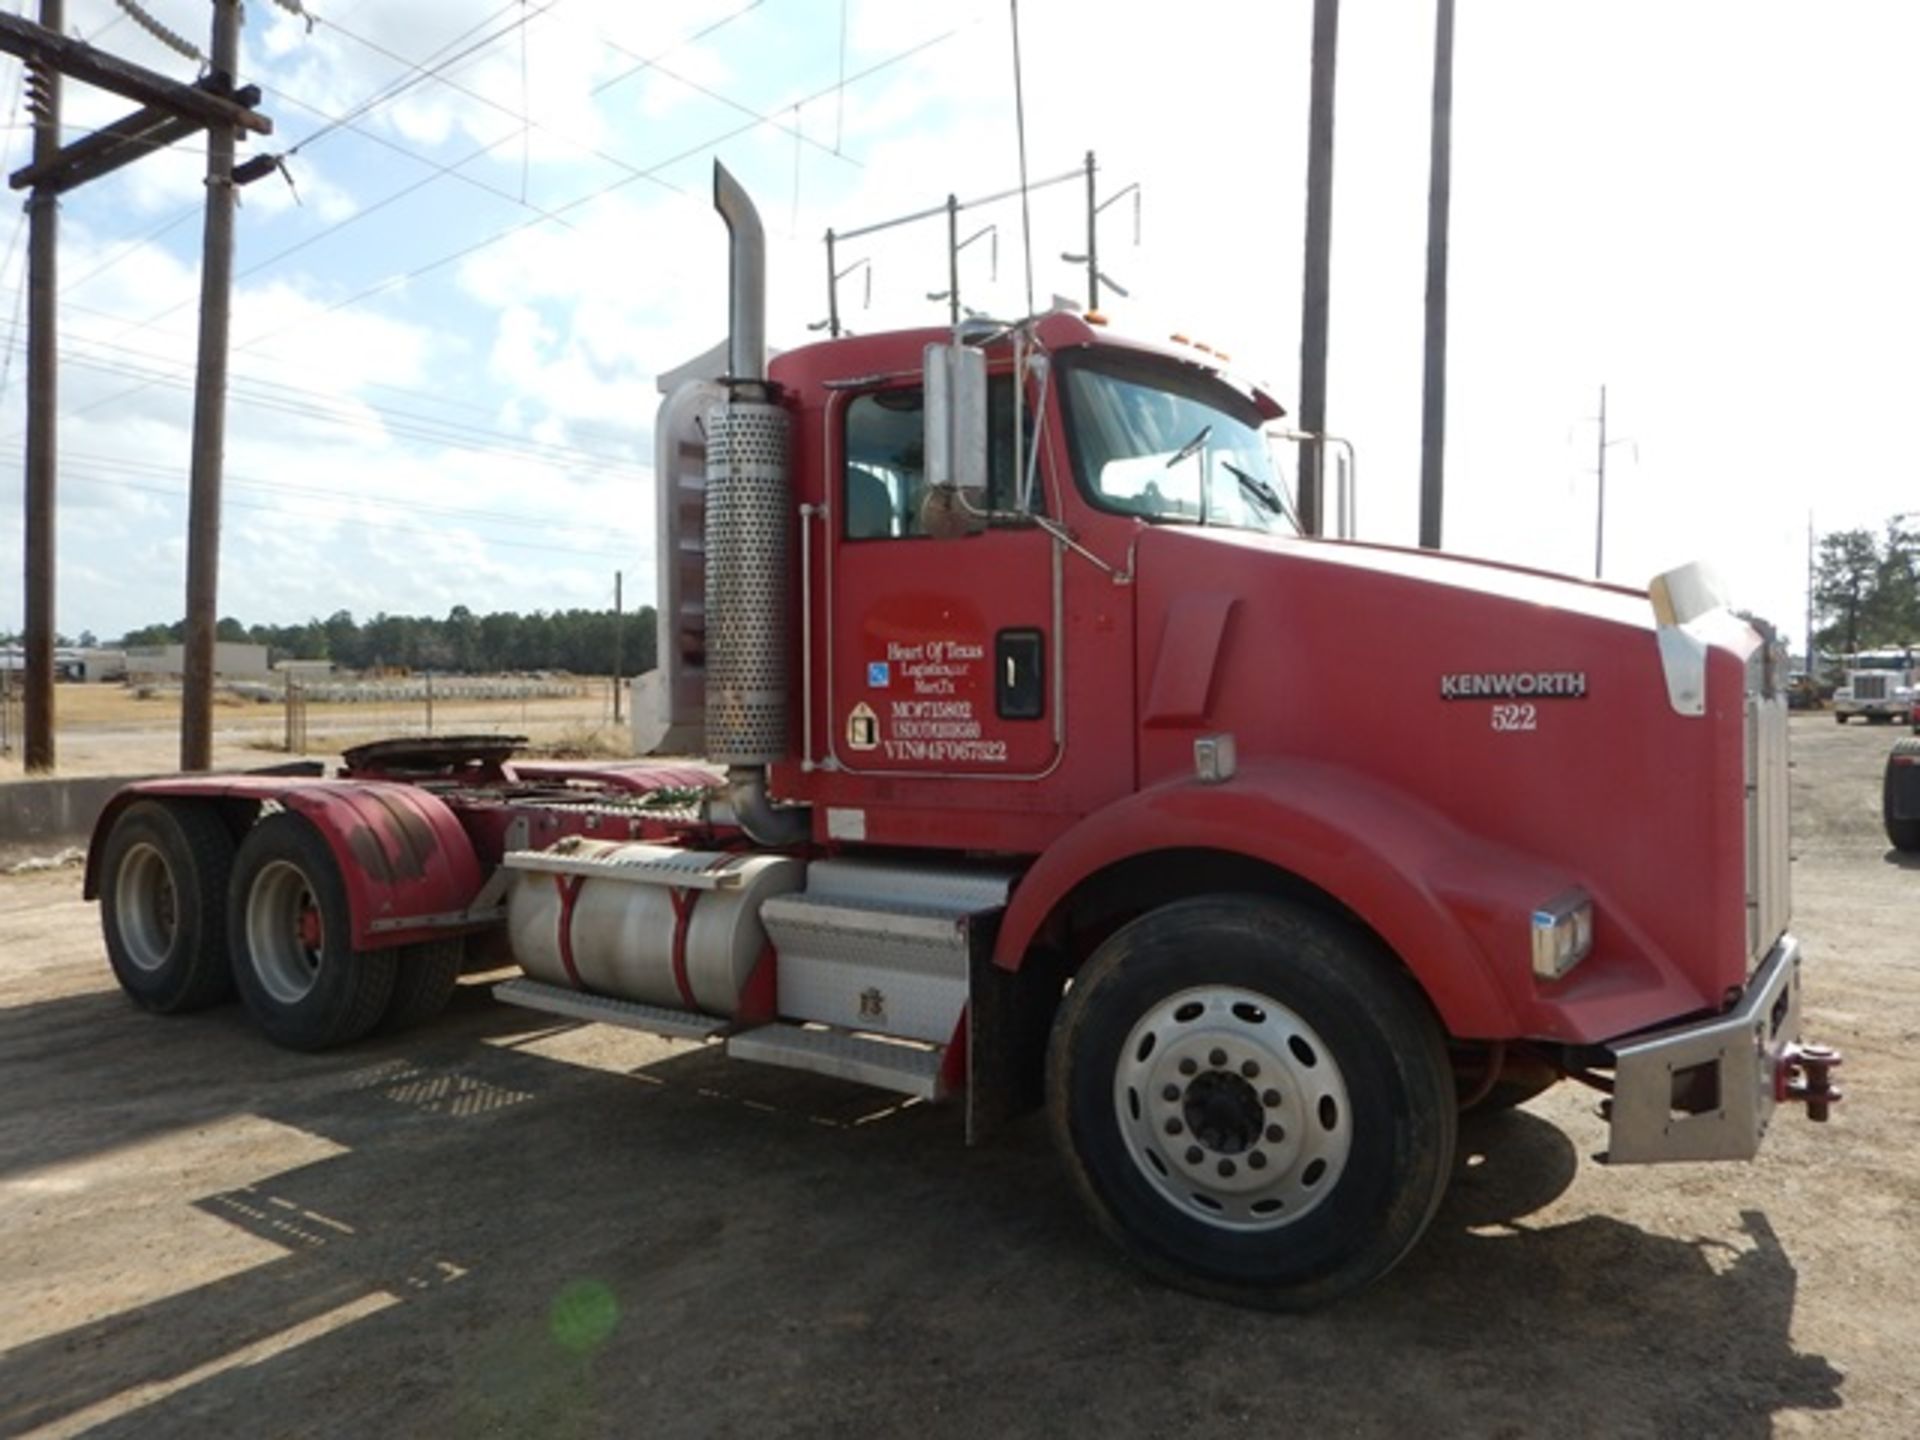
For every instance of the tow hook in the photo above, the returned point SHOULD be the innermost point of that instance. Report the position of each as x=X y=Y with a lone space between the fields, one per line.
x=1805 y=1073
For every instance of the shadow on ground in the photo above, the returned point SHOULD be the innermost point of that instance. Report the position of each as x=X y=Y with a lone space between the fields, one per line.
x=528 y=1248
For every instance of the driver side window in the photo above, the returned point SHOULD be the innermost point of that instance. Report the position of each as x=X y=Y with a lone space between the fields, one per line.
x=884 y=477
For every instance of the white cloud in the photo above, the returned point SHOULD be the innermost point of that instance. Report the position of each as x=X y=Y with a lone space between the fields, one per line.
x=1728 y=251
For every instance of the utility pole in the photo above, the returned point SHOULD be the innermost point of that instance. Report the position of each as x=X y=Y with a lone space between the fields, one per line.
x=210 y=414
x=43 y=403
x=169 y=111
x=1600 y=501
x=1813 y=668
x=1433 y=418
x=616 y=646
x=1315 y=299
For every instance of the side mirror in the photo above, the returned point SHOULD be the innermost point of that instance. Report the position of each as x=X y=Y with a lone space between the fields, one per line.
x=955 y=441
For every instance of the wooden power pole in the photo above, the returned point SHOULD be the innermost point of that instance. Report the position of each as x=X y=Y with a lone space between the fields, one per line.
x=169 y=111
x=617 y=623
x=1315 y=299
x=43 y=404
x=1433 y=416
x=210 y=414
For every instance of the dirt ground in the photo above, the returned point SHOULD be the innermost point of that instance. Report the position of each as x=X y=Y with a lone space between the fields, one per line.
x=504 y=1227
x=113 y=730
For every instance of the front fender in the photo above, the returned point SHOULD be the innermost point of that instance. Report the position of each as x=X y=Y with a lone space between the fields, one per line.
x=1454 y=908
x=408 y=867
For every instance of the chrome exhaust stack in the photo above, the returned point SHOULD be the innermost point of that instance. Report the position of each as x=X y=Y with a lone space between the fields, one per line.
x=749 y=513
x=746 y=278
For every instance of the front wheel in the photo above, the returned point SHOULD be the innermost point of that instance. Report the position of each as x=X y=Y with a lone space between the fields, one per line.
x=1253 y=1099
x=291 y=933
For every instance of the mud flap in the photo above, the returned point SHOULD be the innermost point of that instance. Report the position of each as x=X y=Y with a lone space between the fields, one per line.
x=1009 y=1016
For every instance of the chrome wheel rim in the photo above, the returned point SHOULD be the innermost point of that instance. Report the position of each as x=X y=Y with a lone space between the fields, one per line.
x=284 y=932
x=146 y=904
x=1233 y=1108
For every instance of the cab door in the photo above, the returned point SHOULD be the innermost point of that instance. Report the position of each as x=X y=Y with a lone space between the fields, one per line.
x=942 y=651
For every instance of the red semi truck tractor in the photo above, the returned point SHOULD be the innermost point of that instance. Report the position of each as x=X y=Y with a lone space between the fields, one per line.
x=1039 y=771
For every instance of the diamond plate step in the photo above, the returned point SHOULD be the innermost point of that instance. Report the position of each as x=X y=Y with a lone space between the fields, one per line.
x=907 y=1069
x=882 y=947
x=643 y=865
x=605 y=1010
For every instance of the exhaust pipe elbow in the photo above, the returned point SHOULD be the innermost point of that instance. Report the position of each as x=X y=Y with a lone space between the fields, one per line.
x=747 y=278
x=764 y=822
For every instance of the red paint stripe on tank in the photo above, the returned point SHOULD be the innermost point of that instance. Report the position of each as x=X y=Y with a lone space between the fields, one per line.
x=569 y=888
x=683 y=903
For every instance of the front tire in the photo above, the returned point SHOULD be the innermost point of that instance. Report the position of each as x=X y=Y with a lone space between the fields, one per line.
x=1253 y=1099
x=163 y=896
x=293 y=957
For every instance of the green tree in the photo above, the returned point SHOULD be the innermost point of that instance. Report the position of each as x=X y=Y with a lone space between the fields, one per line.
x=1866 y=588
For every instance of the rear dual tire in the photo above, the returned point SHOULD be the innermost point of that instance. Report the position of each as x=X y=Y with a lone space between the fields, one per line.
x=292 y=939
x=163 y=892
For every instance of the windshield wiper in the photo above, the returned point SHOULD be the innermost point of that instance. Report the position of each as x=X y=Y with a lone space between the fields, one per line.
x=1192 y=447
x=1261 y=493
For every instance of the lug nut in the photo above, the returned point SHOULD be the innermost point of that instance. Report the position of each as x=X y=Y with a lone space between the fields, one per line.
x=1218 y=1059
x=1195 y=1154
x=1257 y=1160
x=1174 y=1127
x=1226 y=1169
x=1189 y=1066
x=1270 y=1099
x=1275 y=1134
x=1170 y=1094
x=1249 y=1069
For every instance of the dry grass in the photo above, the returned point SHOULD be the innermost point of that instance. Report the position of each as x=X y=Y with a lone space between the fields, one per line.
x=116 y=730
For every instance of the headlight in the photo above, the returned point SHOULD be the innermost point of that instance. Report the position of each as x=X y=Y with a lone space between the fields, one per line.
x=1562 y=933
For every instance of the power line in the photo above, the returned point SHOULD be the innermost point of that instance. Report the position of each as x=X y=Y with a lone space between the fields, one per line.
x=591 y=196
x=422 y=71
x=653 y=63
x=382 y=527
x=114 y=464
x=453 y=171
x=334 y=123
x=391 y=282
x=354 y=382
x=256 y=391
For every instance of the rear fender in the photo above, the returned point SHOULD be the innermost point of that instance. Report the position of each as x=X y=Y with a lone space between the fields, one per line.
x=409 y=870
x=1453 y=908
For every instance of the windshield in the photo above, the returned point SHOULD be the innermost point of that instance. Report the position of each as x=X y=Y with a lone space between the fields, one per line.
x=1168 y=444
x=1882 y=660
x=1172 y=446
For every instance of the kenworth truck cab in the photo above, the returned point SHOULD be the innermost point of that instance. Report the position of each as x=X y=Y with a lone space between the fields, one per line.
x=1025 y=784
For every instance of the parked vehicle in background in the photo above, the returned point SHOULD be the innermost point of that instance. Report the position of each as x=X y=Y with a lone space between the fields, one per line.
x=1880 y=685
x=1900 y=795
x=1803 y=691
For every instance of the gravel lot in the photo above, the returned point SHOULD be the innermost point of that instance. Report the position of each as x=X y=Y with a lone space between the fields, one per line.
x=505 y=1227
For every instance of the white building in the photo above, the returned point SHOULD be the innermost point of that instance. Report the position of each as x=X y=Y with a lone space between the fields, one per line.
x=232 y=660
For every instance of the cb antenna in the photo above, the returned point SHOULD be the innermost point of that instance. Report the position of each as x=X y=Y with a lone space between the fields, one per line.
x=1020 y=123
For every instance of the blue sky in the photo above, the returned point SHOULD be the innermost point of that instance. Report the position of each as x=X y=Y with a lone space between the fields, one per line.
x=444 y=394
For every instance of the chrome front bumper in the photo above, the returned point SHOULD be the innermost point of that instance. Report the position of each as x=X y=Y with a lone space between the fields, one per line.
x=1706 y=1090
